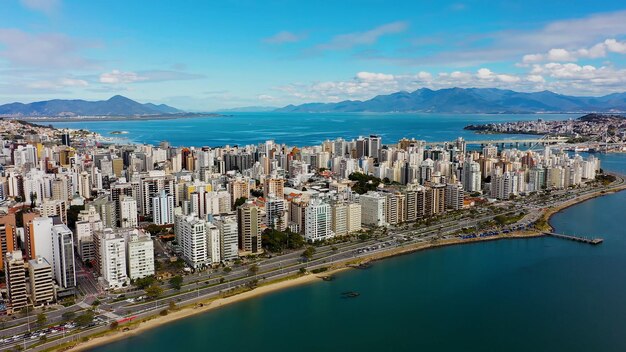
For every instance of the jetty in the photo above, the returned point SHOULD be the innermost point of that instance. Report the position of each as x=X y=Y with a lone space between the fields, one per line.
x=593 y=241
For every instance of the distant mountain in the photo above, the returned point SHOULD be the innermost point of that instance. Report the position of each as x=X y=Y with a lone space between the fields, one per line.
x=470 y=100
x=249 y=109
x=116 y=106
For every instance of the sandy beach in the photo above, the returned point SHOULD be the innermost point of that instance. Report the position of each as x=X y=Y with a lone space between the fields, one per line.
x=214 y=303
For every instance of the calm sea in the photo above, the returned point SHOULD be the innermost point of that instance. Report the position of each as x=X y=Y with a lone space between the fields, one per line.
x=517 y=295
x=300 y=129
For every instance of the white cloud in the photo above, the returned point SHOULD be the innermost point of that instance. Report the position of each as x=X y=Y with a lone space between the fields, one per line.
x=615 y=46
x=535 y=78
x=284 y=37
x=598 y=50
x=117 y=77
x=350 y=40
x=370 y=76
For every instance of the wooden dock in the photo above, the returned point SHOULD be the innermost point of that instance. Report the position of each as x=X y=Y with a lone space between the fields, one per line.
x=588 y=240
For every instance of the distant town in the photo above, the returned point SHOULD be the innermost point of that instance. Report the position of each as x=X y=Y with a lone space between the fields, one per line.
x=95 y=234
x=589 y=128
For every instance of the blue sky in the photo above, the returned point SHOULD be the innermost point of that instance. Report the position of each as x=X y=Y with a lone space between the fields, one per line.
x=202 y=56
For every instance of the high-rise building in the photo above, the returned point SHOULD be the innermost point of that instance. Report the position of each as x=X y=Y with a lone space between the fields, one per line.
x=317 y=221
x=139 y=254
x=471 y=176
x=339 y=219
x=395 y=208
x=191 y=236
x=112 y=248
x=15 y=278
x=213 y=243
x=276 y=213
x=88 y=222
x=229 y=237
x=41 y=284
x=63 y=247
x=128 y=212
x=353 y=222
x=163 y=208
x=435 y=200
x=8 y=240
x=41 y=230
x=373 y=209
x=52 y=208
x=454 y=196
x=249 y=228
x=274 y=186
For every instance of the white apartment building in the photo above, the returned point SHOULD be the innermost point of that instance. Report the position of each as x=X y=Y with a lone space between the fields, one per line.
x=213 y=243
x=191 y=233
x=139 y=254
x=373 y=209
x=317 y=221
x=112 y=260
x=163 y=208
x=128 y=212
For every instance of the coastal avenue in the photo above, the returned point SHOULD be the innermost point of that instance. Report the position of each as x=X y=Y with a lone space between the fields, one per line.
x=289 y=264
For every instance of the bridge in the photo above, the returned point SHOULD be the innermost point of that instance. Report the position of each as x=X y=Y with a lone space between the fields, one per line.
x=509 y=142
x=593 y=241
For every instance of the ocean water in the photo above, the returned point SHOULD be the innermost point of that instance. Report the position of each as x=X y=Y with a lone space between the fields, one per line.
x=542 y=294
x=301 y=128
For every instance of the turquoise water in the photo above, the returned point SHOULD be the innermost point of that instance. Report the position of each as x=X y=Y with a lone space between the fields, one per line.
x=299 y=129
x=516 y=295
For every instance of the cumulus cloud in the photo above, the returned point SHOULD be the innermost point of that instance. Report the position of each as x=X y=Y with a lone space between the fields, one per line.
x=350 y=40
x=370 y=76
x=284 y=37
x=599 y=50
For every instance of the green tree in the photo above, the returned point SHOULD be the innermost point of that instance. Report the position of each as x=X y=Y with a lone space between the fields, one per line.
x=240 y=201
x=144 y=282
x=84 y=319
x=308 y=253
x=154 y=291
x=176 y=282
x=253 y=269
x=41 y=319
x=114 y=325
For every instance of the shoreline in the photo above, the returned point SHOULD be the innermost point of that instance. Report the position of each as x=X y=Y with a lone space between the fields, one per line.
x=210 y=304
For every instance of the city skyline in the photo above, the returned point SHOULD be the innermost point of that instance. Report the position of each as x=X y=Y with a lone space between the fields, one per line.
x=200 y=58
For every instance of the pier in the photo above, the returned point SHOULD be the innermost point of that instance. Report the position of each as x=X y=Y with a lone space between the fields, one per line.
x=593 y=241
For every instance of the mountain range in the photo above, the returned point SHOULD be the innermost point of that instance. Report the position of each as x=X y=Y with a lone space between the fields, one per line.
x=471 y=100
x=115 y=106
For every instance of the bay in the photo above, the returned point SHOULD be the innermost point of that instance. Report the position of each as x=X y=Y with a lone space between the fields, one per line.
x=542 y=294
x=300 y=128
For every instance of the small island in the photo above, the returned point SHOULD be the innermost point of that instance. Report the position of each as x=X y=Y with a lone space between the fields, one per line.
x=118 y=132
